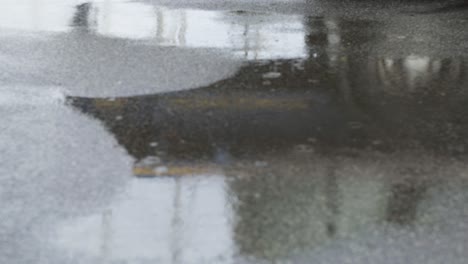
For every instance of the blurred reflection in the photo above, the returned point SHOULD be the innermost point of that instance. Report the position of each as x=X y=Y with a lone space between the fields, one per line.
x=295 y=205
x=81 y=17
x=36 y=15
x=273 y=210
x=249 y=35
x=329 y=131
x=404 y=199
x=344 y=94
x=305 y=103
x=315 y=151
x=182 y=220
x=123 y=19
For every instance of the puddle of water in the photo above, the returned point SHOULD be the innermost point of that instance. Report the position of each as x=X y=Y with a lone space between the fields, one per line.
x=319 y=145
x=324 y=159
x=170 y=220
x=385 y=104
x=297 y=206
x=36 y=15
x=249 y=35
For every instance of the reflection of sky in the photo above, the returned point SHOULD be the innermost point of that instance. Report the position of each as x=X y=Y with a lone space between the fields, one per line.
x=255 y=36
x=186 y=220
x=36 y=15
x=252 y=35
x=124 y=20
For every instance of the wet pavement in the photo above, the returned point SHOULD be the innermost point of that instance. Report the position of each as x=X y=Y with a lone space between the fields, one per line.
x=233 y=132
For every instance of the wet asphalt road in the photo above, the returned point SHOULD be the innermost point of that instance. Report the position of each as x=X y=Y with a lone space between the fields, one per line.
x=233 y=131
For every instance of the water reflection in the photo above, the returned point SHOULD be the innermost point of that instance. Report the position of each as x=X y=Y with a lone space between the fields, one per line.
x=287 y=206
x=181 y=220
x=249 y=35
x=305 y=103
x=301 y=203
x=338 y=97
x=80 y=19
x=336 y=135
x=343 y=144
x=36 y=15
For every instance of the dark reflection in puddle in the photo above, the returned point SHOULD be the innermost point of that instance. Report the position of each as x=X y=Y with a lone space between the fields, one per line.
x=344 y=94
x=274 y=106
x=288 y=156
x=306 y=203
x=344 y=146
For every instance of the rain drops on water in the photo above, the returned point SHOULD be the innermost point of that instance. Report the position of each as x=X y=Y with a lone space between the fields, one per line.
x=261 y=163
x=271 y=75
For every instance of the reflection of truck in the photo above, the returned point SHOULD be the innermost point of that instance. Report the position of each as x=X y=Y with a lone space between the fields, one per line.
x=248 y=113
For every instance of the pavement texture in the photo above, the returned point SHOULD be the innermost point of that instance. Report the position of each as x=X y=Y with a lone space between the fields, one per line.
x=233 y=131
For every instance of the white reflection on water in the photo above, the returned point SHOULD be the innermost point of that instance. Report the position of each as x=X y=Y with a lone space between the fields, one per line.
x=36 y=15
x=254 y=36
x=250 y=35
x=123 y=19
x=171 y=220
